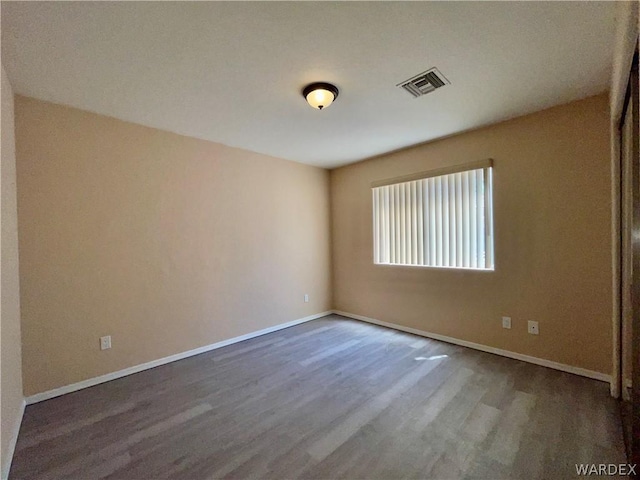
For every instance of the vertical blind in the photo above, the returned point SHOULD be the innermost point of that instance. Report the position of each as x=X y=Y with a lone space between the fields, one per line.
x=438 y=221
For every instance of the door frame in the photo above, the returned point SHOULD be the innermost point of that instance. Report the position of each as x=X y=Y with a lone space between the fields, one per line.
x=627 y=36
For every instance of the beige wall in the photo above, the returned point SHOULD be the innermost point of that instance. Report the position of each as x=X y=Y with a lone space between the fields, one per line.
x=552 y=209
x=10 y=360
x=169 y=243
x=166 y=243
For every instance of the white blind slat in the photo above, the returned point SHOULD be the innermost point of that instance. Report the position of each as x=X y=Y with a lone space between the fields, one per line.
x=444 y=199
x=481 y=220
x=425 y=222
x=439 y=218
x=397 y=223
x=452 y=220
x=376 y=229
x=489 y=206
x=419 y=224
x=414 y=224
x=466 y=221
x=473 y=214
x=433 y=215
x=459 y=232
x=385 y=226
x=392 y=224
x=401 y=225
x=409 y=226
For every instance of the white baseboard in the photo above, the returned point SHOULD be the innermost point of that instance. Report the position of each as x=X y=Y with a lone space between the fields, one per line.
x=12 y=444
x=484 y=348
x=56 y=392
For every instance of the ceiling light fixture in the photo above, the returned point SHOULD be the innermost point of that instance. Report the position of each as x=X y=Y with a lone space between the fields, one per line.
x=320 y=95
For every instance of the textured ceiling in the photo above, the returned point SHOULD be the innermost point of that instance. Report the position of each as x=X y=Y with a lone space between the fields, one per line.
x=232 y=72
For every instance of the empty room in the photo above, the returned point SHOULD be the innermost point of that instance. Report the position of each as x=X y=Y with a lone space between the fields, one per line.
x=320 y=240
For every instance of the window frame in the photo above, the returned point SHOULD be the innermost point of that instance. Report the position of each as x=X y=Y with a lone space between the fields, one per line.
x=488 y=249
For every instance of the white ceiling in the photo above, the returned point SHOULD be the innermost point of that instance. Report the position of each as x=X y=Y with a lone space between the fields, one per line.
x=232 y=72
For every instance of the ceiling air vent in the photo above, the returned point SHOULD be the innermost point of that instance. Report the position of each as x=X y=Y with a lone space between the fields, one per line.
x=425 y=82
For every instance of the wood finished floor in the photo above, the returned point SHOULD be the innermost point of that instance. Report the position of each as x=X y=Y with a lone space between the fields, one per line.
x=332 y=398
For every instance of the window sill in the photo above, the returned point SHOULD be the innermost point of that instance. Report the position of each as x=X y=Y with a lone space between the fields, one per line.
x=404 y=265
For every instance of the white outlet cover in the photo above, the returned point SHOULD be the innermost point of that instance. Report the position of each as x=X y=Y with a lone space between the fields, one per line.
x=306 y=298
x=506 y=322
x=105 y=342
x=533 y=327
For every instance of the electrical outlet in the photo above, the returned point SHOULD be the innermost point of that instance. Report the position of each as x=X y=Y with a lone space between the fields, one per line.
x=533 y=327
x=105 y=342
x=506 y=322
x=306 y=298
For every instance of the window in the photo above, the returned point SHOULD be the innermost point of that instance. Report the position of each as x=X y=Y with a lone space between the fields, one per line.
x=435 y=219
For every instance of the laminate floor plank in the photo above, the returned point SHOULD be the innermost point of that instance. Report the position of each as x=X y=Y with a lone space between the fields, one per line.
x=331 y=398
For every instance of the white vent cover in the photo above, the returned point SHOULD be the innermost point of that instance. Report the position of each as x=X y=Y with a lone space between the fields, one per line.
x=425 y=82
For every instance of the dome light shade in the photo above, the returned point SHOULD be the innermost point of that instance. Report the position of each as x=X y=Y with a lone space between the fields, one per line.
x=320 y=95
